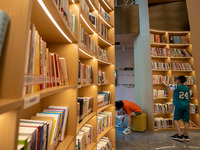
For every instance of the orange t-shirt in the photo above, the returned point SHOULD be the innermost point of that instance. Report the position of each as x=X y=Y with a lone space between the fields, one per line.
x=131 y=107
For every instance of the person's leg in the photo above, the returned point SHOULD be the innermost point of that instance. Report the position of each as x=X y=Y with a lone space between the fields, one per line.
x=132 y=114
x=177 y=125
x=186 y=118
x=186 y=129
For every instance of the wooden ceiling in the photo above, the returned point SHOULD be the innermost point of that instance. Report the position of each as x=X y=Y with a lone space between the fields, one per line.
x=161 y=1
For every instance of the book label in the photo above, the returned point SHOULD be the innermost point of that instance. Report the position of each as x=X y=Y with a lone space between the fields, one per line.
x=32 y=100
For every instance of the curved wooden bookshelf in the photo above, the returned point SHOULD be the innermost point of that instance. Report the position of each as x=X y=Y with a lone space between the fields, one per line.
x=107 y=23
x=160 y=57
x=154 y=31
x=84 y=53
x=103 y=62
x=104 y=132
x=44 y=24
x=92 y=5
x=162 y=98
x=180 y=57
x=65 y=143
x=101 y=84
x=103 y=42
x=178 y=45
x=50 y=91
x=7 y=105
x=84 y=121
x=182 y=70
x=104 y=3
x=86 y=85
x=104 y=107
x=158 y=44
x=161 y=70
x=86 y=24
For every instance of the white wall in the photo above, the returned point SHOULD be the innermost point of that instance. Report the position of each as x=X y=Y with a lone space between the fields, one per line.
x=124 y=59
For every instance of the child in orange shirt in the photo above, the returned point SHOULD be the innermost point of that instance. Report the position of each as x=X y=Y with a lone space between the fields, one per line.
x=129 y=108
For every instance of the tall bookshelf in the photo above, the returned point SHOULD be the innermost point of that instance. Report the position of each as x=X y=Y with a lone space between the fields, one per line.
x=12 y=67
x=194 y=117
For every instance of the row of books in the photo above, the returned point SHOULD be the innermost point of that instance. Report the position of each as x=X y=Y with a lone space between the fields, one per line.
x=193 y=108
x=102 y=54
x=158 y=38
x=104 y=98
x=163 y=108
x=172 y=52
x=104 y=144
x=84 y=74
x=163 y=123
x=103 y=12
x=157 y=79
x=42 y=68
x=87 y=41
x=104 y=120
x=189 y=80
x=84 y=105
x=102 y=30
x=160 y=66
x=71 y=19
x=160 y=92
x=84 y=137
x=45 y=130
x=178 y=39
x=102 y=77
x=175 y=52
x=181 y=66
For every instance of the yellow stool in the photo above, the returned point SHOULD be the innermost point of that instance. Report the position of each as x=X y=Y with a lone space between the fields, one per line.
x=139 y=123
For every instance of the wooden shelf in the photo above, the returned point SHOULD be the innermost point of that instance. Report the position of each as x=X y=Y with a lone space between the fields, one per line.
x=160 y=57
x=92 y=5
x=86 y=85
x=162 y=98
x=101 y=84
x=104 y=108
x=103 y=42
x=91 y=146
x=154 y=31
x=161 y=70
x=103 y=62
x=9 y=105
x=158 y=44
x=50 y=91
x=104 y=132
x=178 y=32
x=158 y=114
x=179 y=45
x=65 y=143
x=180 y=57
x=104 y=3
x=86 y=24
x=105 y=21
x=182 y=70
x=44 y=25
x=84 y=121
x=84 y=53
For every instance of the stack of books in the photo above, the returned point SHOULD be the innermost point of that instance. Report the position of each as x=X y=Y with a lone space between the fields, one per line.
x=102 y=77
x=104 y=144
x=103 y=98
x=193 y=108
x=160 y=93
x=178 y=39
x=181 y=66
x=155 y=51
x=103 y=12
x=42 y=68
x=174 y=52
x=84 y=137
x=189 y=80
x=160 y=66
x=104 y=120
x=102 y=29
x=157 y=79
x=163 y=123
x=163 y=108
x=84 y=106
x=102 y=54
x=87 y=41
x=84 y=74
x=45 y=130
x=158 y=38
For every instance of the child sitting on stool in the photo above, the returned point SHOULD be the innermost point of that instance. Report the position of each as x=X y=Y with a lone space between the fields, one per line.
x=129 y=108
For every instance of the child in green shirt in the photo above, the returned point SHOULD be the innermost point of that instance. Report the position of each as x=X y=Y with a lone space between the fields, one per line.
x=181 y=100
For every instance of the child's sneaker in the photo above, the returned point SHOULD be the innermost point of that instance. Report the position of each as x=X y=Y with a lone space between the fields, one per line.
x=127 y=131
x=186 y=138
x=120 y=125
x=177 y=137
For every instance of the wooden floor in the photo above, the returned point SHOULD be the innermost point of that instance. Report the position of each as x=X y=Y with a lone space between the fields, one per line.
x=154 y=141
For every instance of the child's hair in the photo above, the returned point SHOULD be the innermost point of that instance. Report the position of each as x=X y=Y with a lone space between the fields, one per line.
x=181 y=78
x=119 y=104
